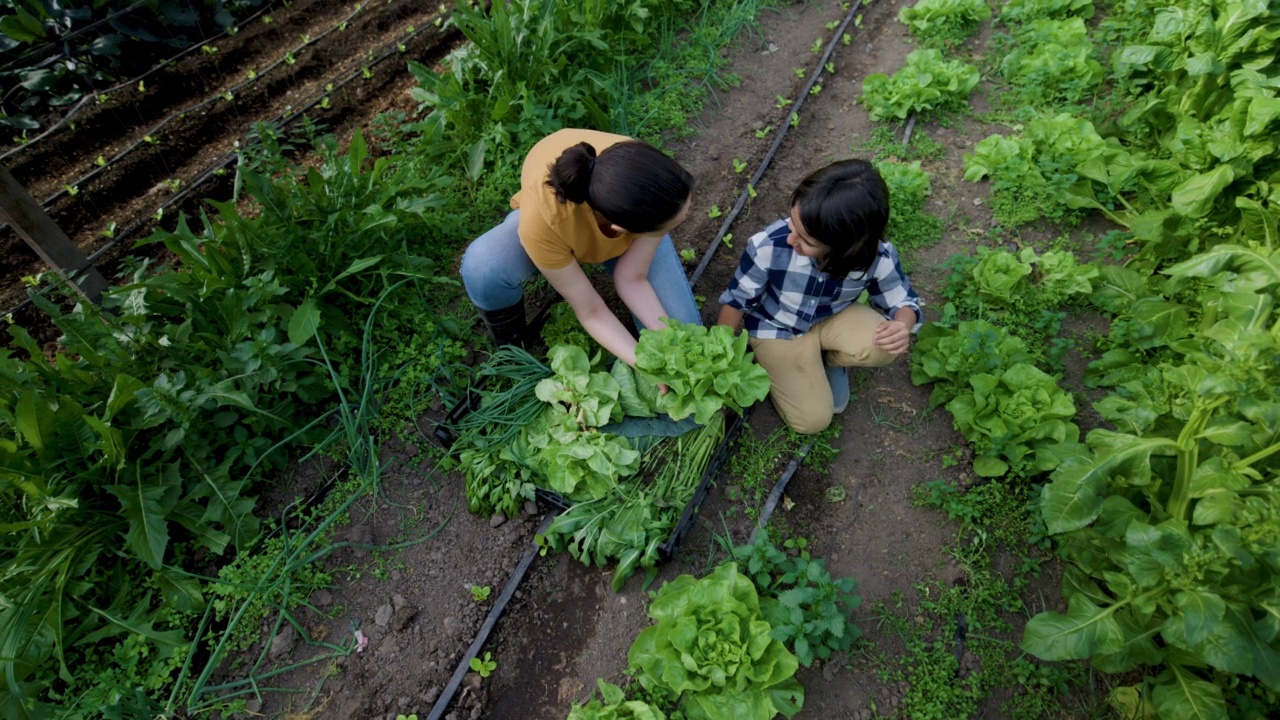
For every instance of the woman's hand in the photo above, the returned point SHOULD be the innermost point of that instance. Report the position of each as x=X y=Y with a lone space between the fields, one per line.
x=892 y=336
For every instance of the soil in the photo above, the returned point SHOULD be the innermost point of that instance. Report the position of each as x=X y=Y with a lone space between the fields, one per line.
x=565 y=627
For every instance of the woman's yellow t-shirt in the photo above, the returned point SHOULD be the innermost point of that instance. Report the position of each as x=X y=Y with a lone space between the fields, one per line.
x=555 y=234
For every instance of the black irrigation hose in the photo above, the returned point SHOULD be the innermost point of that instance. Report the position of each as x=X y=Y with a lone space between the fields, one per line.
x=284 y=119
x=773 y=149
x=776 y=494
x=513 y=582
x=122 y=84
x=911 y=125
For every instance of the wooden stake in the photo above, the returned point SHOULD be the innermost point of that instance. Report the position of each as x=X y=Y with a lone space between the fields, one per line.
x=24 y=215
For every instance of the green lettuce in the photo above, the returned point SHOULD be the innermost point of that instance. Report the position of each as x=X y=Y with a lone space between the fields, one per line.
x=704 y=369
x=1019 y=420
x=591 y=398
x=950 y=356
x=712 y=644
x=927 y=82
x=944 y=21
x=1053 y=62
x=582 y=464
x=638 y=394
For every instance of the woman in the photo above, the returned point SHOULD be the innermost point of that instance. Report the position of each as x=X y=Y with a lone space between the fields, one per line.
x=595 y=198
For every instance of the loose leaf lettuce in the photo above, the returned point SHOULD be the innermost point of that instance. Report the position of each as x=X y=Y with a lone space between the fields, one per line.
x=927 y=82
x=704 y=369
x=583 y=464
x=591 y=398
x=712 y=643
x=615 y=707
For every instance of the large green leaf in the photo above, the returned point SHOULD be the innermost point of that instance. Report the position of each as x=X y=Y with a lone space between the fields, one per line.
x=1073 y=497
x=304 y=322
x=1086 y=630
x=1195 y=197
x=1180 y=694
x=148 y=534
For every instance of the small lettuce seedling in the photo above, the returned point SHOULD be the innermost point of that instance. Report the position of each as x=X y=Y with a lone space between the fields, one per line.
x=486 y=666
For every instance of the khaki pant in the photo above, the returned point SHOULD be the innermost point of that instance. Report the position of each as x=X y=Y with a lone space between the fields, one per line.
x=800 y=391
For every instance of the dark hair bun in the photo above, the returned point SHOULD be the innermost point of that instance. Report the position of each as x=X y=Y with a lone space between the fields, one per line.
x=571 y=173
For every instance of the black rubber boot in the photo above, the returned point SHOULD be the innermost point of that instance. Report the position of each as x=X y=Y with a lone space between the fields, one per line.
x=507 y=325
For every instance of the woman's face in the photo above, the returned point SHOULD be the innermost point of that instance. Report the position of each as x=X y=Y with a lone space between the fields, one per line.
x=800 y=240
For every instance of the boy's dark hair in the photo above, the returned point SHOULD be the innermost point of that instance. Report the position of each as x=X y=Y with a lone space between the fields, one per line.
x=844 y=206
x=632 y=184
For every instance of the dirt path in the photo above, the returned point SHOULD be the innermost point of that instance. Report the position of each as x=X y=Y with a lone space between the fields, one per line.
x=566 y=627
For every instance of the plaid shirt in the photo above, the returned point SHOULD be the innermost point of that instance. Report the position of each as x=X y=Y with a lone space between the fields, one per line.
x=783 y=294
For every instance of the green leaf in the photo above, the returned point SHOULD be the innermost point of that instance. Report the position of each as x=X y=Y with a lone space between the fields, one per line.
x=304 y=322
x=1085 y=630
x=1181 y=694
x=123 y=392
x=475 y=160
x=22 y=26
x=1195 y=197
x=148 y=534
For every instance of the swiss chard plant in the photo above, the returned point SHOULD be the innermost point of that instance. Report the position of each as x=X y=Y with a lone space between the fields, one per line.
x=926 y=83
x=711 y=643
x=944 y=22
x=1172 y=522
x=704 y=369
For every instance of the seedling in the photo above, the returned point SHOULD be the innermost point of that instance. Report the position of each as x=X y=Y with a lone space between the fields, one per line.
x=101 y=161
x=846 y=38
x=714 y=212
x=439 y=22
x=817 y=88
x=401 y=47
x=142 y=86
x=233 y=30
x=857 y=22
x=324 y=103
x=727 y=240
x=366 y=73
x=228 y=96
x=782 y=102
x=289 y=59
x=817 y=46
x=486 y=666
x=699 y=300
x=102 y=97
x=72 y=190
x=252 y=74
x=150 y=140
x=208 y=49
x=342 y=26
x=739 y=165
x=795 y=119
x=480 y=593
x=833 y=24
x=836 y=494
x=306 y=39
x=764 y=131
x=266 y=20
x=174 y=184
x=799 y=72
x=751 y=191
x=830 y=68
x=688 y=255
x=413 y=716
x=109 y=231
x=799 y=544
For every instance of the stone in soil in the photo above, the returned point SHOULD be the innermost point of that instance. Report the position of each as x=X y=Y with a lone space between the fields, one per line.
x=497 y=520
x=383 y=616
x=403 y=617
x=282 y=644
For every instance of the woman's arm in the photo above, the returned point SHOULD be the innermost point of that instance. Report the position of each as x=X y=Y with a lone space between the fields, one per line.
x=631 y=279
x=596 y=318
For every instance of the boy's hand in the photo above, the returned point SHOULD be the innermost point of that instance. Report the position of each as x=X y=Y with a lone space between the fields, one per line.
x=892 y=336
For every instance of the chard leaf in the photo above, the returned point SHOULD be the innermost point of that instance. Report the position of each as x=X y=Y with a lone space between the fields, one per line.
x=1085 y=630
x=1179 y=693
x=1195 y=197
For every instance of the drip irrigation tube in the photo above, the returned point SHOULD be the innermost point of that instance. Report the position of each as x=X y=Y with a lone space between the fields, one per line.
x=122 y=84
x=911 y=125
x=513 y=582
x=284 y=119
x=773 y=149
x=776 y=494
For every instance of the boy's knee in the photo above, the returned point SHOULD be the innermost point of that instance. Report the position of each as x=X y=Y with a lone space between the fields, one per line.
x=810 y=423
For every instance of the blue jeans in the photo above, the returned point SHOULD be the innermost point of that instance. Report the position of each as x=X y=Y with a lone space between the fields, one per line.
x=495 y=266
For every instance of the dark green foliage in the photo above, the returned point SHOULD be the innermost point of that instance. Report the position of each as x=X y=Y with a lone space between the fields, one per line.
x=808 y=609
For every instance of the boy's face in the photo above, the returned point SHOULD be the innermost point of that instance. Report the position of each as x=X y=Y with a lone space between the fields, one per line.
x=801 y=241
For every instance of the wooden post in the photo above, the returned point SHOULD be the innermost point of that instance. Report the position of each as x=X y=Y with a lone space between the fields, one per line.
x=24 y=215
